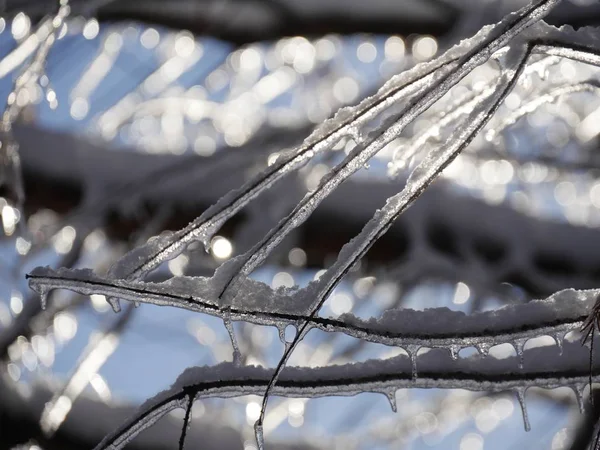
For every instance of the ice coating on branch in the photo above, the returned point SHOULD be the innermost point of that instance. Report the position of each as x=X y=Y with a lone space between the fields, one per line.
x=177 y=291
x=321 y=380
x=436 y=327
x=418 y=180
x=444 y=78
x=542 y=369
x=543 y=34
x=345 y=123
x=237 y=356
x=445 y=118
x=497 y=37
x=550 y=96
x=256 y=302
x=561 y=307
x=566 y=304
x=145 y=258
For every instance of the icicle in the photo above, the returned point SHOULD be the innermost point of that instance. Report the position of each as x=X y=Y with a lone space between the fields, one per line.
x=281 y=331
x=483 y=348
x=521 y=397
x=578 y=390
x=237 y=356
x=518 y=344
x=43 y=297
x=559 y=342
x=454 y=350
x=114 y=304
x=412 y=354
x=260 y=438
x=391 y=396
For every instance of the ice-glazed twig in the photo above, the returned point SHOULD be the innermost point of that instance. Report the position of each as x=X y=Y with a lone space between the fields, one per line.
x=417 y=182
x=550 y=96
x=346 y=123
x=444 y=78
x=436 y=327
x=543 y=368
x=450 y=114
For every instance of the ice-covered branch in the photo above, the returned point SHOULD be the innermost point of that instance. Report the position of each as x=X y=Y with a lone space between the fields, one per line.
x=483 y=46
x=549 y=96
x=436 y=327
x=345 y=123
x=543 y=368
x=419 y=179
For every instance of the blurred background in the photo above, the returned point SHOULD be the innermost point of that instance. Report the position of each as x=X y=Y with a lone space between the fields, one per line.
x=144 y=113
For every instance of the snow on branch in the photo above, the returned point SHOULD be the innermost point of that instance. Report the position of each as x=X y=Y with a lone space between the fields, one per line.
x=231 y=295
x=349 y=121
x=433 y=328
x=544 y=368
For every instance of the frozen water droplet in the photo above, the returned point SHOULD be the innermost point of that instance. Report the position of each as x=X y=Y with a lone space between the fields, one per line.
x=518 y=345
x=412 y=354
x=490 y=135
x=578 y=390
x=237 y=356
x=483 y=349
x=114 y=303
x=391 y=396
x=454 y=350
x=281 y=331
x=367 y=166
x=521 y=397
